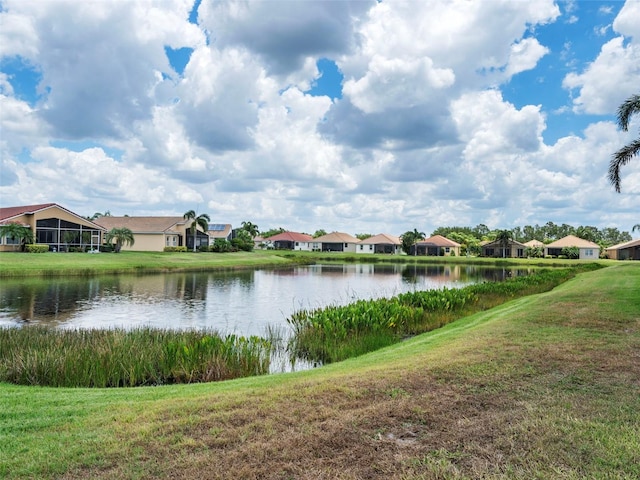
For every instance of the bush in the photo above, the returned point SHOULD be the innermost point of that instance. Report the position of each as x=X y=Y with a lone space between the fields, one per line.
x=37 y=248
x=175 y=249
x=106 y=248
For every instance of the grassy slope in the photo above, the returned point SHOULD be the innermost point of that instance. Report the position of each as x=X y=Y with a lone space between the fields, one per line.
x=542 y=387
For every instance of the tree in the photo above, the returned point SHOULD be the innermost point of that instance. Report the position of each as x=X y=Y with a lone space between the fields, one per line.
x=251 y=229
x=409 y=239
x=202 y=220
x=319 y=233
x=623 y=156
x=272 y=231
x=122 y=236
x=243 y=241
x=363 y=236
x=503 y=237
x=97 y=215
x=17 y=232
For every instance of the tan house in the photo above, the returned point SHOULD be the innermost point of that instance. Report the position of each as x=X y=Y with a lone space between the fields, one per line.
x=496 y=249
x=588 y=250
x=437 y=246
x=335 y=242
x=52 y=225
x=534 y=244
x=153 y=234
x=290 y=241
x=381 y=243
x=624 y=251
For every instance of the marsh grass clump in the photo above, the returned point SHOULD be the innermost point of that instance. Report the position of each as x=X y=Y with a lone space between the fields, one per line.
x=335 y=333
x=39 y=355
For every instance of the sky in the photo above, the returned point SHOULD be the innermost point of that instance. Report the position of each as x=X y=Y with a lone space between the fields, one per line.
x=351 y=116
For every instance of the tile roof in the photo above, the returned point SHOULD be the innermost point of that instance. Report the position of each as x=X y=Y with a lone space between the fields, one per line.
x=290 y=237
x=438 y=241
x=141 y=224
x=336 y=237
x=572 y=241
x=7 y=213
x=381 y=238
x=629 y=244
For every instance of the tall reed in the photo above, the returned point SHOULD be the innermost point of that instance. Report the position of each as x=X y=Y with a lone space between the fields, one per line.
x=38 y=355
x=335 y=333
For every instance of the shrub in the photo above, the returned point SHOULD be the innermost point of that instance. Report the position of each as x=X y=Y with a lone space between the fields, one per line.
x=175 y=249
x=37 y=248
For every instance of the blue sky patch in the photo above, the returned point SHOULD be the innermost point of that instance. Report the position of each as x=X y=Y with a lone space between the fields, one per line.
x=330 y=81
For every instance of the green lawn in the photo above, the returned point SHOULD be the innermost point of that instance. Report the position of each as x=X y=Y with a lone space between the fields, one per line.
x=544 y=386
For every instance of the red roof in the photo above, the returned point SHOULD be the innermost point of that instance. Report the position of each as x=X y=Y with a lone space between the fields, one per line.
x=290 y=237
x=11 y=212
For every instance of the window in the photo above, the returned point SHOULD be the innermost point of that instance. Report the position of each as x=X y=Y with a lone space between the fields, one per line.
x=447 y=249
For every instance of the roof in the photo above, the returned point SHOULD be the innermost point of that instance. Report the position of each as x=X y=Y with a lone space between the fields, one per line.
x=622 y=246
x=141 y=224
x=336 y=237
x=533 y=243
x=7 y=214
x=380 y=239
x=290 y=237
x=219 y=230
x=572 y=241
x=438 y=241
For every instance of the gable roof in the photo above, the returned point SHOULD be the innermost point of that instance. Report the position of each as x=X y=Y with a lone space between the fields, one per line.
x=336 y=237
x=572 y=241
x=438 y=241
x=496 y=243
x=142 y=224
x=380 y=239
x=7 y=214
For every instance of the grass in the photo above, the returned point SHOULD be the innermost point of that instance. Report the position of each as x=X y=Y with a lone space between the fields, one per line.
x=544 y=386
x=86 y=264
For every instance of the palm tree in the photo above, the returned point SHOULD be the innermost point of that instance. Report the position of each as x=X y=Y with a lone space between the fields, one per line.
x=250 y=228
x=623 y=156
x=636 y=227
x=409 y=239
x=202 y=220
x=122 y=236
x=503 y=237
x=15 y=231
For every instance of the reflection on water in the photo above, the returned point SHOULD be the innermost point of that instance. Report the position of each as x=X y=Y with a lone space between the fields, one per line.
x=239 y=302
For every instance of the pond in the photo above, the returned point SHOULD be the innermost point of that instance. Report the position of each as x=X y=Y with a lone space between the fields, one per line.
x=243 y=302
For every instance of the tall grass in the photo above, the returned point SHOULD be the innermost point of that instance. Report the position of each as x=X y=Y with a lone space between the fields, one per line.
x=334 y=333
x=39 y=355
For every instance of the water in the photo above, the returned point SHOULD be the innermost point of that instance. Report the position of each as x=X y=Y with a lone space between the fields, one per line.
x=243 y=302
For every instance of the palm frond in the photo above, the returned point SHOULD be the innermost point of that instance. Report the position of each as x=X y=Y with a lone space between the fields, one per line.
x=628 y=108
x=621 y=158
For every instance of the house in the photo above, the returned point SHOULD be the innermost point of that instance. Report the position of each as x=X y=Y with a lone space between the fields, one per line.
x=219 y=231
x=335 y=242
x=52 y=225
x=290 y=241
x=624 y=251
x=381 y=243
x=496 y=249
x=437 y=246
x=155 y=233
x=588 y=250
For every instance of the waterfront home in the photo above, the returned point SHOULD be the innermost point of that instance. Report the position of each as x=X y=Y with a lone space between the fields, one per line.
x=290 y=241
x=381 y=243
x=153 y=234
x=437 y=246
x=335 y=242
x=588 y=250
x=219 y=231
x=52 y=225
x=496 y=249
x=624 y=251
